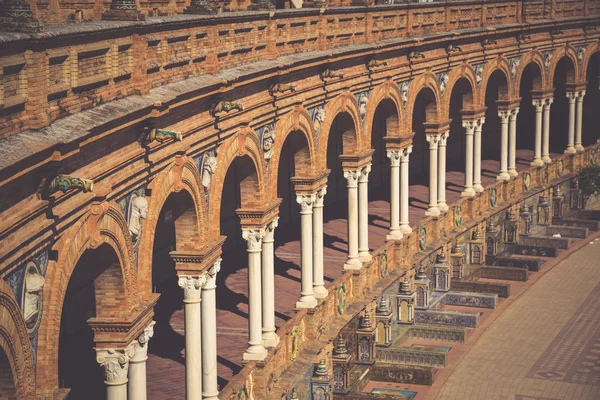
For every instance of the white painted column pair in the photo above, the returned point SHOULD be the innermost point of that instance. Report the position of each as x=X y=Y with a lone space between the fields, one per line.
x=546 y=131
x=358 y=217
x=572 y=97
x=575 y=121
x=437 y=174
x=537 y=152
x=504 y=119
x=512 y=148
x=125 y=369
x=399 y=224
x=469 y=126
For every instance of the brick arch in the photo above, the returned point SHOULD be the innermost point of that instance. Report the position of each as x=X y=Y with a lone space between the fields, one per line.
x=182 y=175
x=386 y=91
x=102 y=224
x=245 y=143
x=298 y=120
x=501 y=64
x=587 y=57
x=14 y=341
x=424 y=81
x=353 y=140
x=559 y=54
x=463 y=71
x=533 y=57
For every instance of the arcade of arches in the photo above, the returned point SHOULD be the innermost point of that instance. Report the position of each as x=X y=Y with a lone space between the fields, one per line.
x=175 y=265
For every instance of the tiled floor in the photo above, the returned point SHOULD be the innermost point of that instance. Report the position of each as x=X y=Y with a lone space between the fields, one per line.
x=166 y=365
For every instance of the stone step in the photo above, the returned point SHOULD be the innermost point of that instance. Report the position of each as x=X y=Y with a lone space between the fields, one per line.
x=504 y=273
x=567 y=231
x=449 y=318
x=592 y=225
x=501 y=289
x=531 y=264
x=528 y=250
x=588 y=214
x=545 y=241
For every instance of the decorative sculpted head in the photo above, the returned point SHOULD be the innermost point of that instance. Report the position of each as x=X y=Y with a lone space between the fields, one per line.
x=139 y=211
x=209 y=167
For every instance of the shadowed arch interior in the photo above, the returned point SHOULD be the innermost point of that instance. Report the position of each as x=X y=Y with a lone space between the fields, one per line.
x=95 y=290
x=497 y=89
x=425 y=110
x=7 y=382
x=294 y=161
x=531 y=80
x=564 y=74
x=591 y=116
x=461 y=99
x=341 y=140
x=385 y=122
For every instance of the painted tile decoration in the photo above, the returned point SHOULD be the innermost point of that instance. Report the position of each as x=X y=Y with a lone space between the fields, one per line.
x=294 y=343
x=493 y=197
x=341 y=299
x=422 y=237
x=243 y=394
x=593 y=157
x=458 y=216
x=526 y=181
x=383 y=264
x=560 y=167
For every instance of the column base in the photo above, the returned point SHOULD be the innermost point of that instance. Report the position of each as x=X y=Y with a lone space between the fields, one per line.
x=443 y=207
x=306 y=302
x=579 y=147
x=394 y=235
x=353 y=263
x=537 y=163
x=570 y=150
x=468 y=192
x=270 y=339
x=210 y=395
x=513 y=173
x=503 y=176
x=320 y=292
x=432 y=212
x=255 y=353
x=546 y=159
x=405 y=228
x=478 y=188
x=364 y=255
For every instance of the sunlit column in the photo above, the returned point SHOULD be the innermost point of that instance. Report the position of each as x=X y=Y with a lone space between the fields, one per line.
x=116 y=366
x=353 y=261
x=469 y=133
x=319 y=290
x=512 y=149
x=269 y=337
x=579 y=124
x=404 y=191
x=136 y=388
x=307 y=298
x=394 y=233
x=546 y=142
x=537 y=156
x=571 y=96
x=433 y=209
x=363 y=214
x=209 y=334
x=477 y=158
x=442 y=206
x=503 y=175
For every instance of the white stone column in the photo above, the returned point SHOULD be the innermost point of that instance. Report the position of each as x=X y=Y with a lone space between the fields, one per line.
x=255 y=351
x=353 y=261
x=307 y=298
x=477 y=158
x=571 y=96
x=394 y=234
x=469 y=133
x=579 y=122
x=192 y=287
x=537 y=154
x=363 y=215
x=503 y=175
x=442 y=206
x=433 y=209
x=136 y=388
x=116 y=366
x=319 y=290
x=512 y=149
x=404 y=191
x=546 y=142
x=209 y=334
x=269 y=337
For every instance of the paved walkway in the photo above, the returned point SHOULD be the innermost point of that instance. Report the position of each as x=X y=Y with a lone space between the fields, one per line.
x=545 y=346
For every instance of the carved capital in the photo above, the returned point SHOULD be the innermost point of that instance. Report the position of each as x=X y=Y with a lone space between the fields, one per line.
x=571 y=96
x=352 y=177
x=580 y=96
x=433 y=140
x=364 y=174
x=444 y=138
x=548 y=102
x=270 y=231
x=394 y=156
x=253 y=238
x=513 y=114
x=405 y=154
x=538 y=104
x=115 y=363
x=211 y=278
x=504 y=115
x=191 y=285
x=320 y=197
x=306 y=202
x=469 y=126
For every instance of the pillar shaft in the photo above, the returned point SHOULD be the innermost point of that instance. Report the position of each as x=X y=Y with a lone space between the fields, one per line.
x=404 y=191
x=136 y=388
x=319 y=290
x=363 y=215
x=307 y=298
x=441 y=203
x=255 y=350
x=433 y=209
x=469 y=133
x=193 y=348
x=512 y=149
x=477 y=157
x=546 y=132
x=579 y=122
x=209 y=334
x=353 y=261
x=394 y=234
x=116 y=367
x=269 y=337
x=571 y=96
x=537 y=155
x=503 y=175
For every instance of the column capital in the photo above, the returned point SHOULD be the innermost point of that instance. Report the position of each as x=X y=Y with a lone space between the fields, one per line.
x=364 y=174
x=320 y=197
x=444 y=138
x=306 y=202
x=538 y=104
x=548 y=102
x=571 y=96
x=394 y=156
x=580 y=95
x=469 y=125
x=352 y=176
x=192 y=286
x=253 y=238
x=433 y=140
x=405 y=154
x=513 y=113
x=115 y=363
x=504 y=115
x=141 y=344
x=211 y=275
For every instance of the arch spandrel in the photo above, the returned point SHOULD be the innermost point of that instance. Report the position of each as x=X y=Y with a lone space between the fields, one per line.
x=557 y=55
x=104 y=223
x=244 y=143
x=427 y=80
x=299 y=120
x=533 y=57
x=181 y=175
x=463 y=71
x=388 y=90
x=15 y=343
x=499 y=64
x=344 y=103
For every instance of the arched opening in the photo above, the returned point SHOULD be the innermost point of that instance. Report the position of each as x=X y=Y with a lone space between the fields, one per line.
x=341 y=140
x=175 y=230
x=385 y=122
x=531 y=80
x=497 y=89
x=591 y=116
x=95 y=289
x=7 y=382
x=294 y=161
x=461 y=100
x=564 y=74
